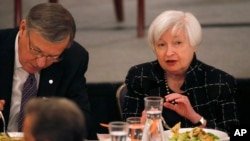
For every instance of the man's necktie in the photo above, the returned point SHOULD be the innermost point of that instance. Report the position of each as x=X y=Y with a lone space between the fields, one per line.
x=29 y=91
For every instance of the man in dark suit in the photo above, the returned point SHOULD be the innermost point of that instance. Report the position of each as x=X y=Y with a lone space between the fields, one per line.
x=42 y=45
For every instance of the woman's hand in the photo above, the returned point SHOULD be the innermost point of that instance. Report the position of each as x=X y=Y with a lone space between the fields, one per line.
x=181 y=105
x=2 y=102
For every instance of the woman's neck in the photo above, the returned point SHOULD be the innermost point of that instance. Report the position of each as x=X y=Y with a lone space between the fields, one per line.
x=175 y=77
x=175 y=81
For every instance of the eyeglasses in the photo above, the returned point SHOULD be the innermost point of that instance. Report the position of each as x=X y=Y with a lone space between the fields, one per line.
x=39 y=54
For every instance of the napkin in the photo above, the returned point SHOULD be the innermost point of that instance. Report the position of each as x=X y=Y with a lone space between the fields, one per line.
x=106 y=137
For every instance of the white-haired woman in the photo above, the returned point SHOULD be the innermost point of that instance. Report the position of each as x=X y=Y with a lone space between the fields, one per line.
x=194 y=93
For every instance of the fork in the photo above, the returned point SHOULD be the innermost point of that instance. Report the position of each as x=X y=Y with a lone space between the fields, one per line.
x=1 y=114
x=165 y=123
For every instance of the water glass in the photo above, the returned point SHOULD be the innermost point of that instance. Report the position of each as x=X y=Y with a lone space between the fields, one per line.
x=153 y=129
x=135 y=128
x=153 y=104
x=118 y=130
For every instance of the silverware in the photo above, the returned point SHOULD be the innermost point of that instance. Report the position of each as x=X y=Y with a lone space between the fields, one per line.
x=165 y=123
x=4 y=124
x=1 y=114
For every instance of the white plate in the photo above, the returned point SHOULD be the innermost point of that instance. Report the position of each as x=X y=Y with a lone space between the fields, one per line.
x=16 y=134
x=222 y=135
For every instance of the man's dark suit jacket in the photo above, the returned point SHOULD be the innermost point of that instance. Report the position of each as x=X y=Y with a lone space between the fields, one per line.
x=68 y=75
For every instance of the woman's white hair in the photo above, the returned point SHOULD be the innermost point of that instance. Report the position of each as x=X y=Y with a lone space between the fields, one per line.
x=175 y=20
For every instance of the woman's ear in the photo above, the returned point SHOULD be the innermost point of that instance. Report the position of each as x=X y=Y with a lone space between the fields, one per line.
x=195 y=49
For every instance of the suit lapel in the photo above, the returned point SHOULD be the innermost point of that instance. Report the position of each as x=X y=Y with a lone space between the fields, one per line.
x=49 y=80
x=6 y=74
x=158 y=84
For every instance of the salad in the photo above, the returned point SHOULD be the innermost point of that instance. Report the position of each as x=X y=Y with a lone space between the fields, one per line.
x=3 y=137
x=196 y=134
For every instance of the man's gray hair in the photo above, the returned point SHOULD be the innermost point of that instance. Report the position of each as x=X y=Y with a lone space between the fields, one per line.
x=52 y=21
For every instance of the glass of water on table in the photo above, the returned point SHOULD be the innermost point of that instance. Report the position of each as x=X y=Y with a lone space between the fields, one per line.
x=135 y=128
x=118 y=130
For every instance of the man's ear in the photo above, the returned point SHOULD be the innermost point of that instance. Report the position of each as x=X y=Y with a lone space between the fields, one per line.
x=23 y=28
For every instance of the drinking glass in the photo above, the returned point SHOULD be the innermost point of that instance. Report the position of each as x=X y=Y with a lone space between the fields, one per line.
x=153 y=129
x=153 y=104
x=118 y=130
x=135 y=128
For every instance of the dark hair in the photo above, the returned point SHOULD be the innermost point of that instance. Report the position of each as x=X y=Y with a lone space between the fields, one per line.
x=55 y=119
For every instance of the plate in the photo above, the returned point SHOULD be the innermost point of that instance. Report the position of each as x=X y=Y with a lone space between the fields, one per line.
x=15 y=136
x=222 y=135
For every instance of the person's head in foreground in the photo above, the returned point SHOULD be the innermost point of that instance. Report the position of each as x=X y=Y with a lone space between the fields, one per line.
x=53 y=119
